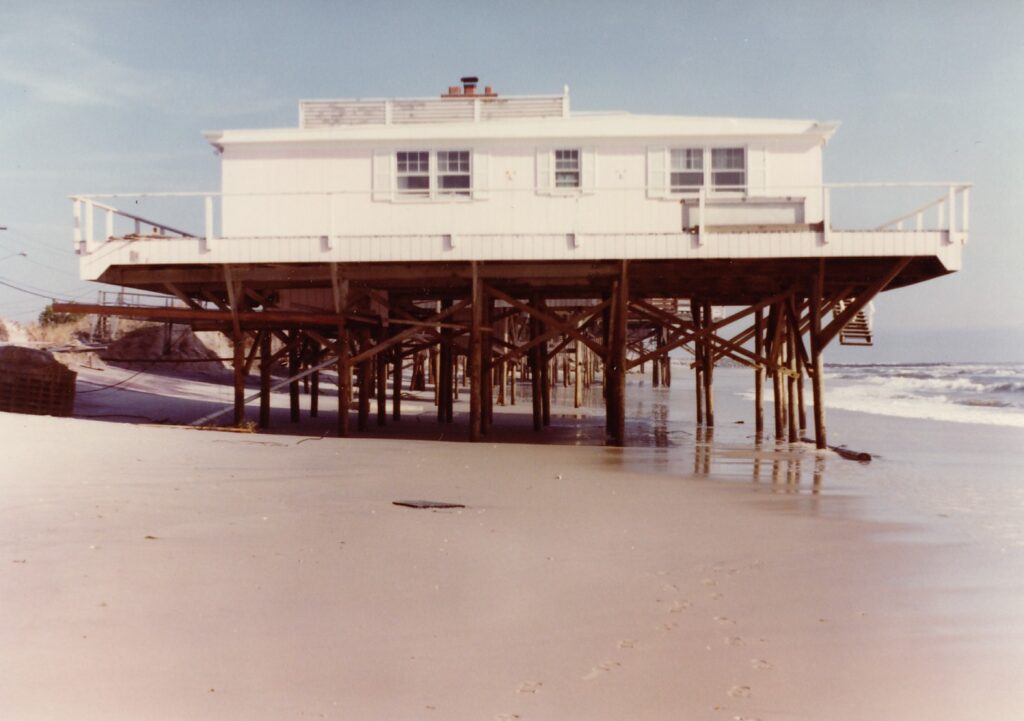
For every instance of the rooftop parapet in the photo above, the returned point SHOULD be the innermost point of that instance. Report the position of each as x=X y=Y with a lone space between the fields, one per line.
x=445 y=109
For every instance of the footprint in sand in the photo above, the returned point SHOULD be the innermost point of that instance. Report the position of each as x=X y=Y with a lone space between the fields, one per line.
x=709 y=582
x=734 y=641
x=668 y=626
x=627 y=643
x=679 y=606
x=760 y=664
x=529 y=687
x=740 y=691
x=716 y=596
x=725 y=621
x=600 y=669
x=506 y=717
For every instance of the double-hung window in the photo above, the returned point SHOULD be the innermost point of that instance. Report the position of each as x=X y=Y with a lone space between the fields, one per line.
x=686 y=170
x=690 y=170
x=567 y=168
x=413 y=172
x=453 y=172
x=728 y=170
x=424 y=173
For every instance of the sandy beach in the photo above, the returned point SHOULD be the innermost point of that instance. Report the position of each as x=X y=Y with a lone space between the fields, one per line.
x=152 y=572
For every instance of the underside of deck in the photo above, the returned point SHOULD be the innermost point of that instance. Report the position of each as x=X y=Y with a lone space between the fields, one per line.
x=503 y=320
x=719 y=281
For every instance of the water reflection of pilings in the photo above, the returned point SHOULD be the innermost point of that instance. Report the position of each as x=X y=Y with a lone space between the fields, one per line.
x=702 y=450
x=659 y=429
x=787 y=468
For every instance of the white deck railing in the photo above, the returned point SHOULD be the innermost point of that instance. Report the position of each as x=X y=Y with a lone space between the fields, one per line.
x=948 y=212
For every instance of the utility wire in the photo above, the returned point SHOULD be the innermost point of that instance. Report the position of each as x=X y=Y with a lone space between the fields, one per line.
x=23 y=290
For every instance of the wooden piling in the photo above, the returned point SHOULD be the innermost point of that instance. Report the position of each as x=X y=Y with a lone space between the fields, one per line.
x=381 y=386
x=791 y=405
x=709 y=371
x=238 y=364
x=545 y=382
x=294 y=362
x=759 y=374
x=536 y=385
x=486 y=363
x=265 y=367
x=475 y=358
x=698 y=361
x=578 y=376
x=396 y=382
x=817 y=366
x=615 y=364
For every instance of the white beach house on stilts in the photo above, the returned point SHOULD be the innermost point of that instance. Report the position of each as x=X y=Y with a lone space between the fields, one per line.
x=507 y=232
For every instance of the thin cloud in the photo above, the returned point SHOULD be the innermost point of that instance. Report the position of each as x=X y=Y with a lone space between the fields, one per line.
x=58 y=57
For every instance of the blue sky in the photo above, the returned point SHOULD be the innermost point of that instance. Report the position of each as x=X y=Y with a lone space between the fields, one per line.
x=112 y=96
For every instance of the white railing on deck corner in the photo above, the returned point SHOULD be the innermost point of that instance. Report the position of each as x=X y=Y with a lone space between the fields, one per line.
x=84 y=211
x=950 y=215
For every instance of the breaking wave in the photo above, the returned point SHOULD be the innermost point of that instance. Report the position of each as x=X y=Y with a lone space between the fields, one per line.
x=961 y=393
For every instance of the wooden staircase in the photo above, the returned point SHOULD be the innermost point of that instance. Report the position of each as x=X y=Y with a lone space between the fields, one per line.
x=858 y=330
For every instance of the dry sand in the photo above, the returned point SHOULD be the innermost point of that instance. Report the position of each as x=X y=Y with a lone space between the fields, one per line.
x=167 y=573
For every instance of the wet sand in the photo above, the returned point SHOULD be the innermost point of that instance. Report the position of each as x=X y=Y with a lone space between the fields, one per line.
x=167 y=573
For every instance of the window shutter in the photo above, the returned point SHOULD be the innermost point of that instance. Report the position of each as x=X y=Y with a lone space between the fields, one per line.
x=657 y=172
x=383 y=174
x=481 y=178
x=544 y=183
x=588 y=172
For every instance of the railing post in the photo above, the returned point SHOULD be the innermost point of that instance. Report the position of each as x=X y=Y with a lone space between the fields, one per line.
x=919 y=221
x=208 y=203
x=89 y=232
x=110 y=225
x=965 y=210
x=701 y=205
x=951 y=202
x=76 y=207
x=329 y=199
x=826 y=214
x=940 y=210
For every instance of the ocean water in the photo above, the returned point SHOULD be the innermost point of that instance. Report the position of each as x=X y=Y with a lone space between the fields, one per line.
x=986 y=393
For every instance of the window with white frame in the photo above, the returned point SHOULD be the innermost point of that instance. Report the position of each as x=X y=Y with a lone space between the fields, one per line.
x=567 y=168
x=413 y=172
x=728 y=169
x=686 y=169
x=453 y=172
